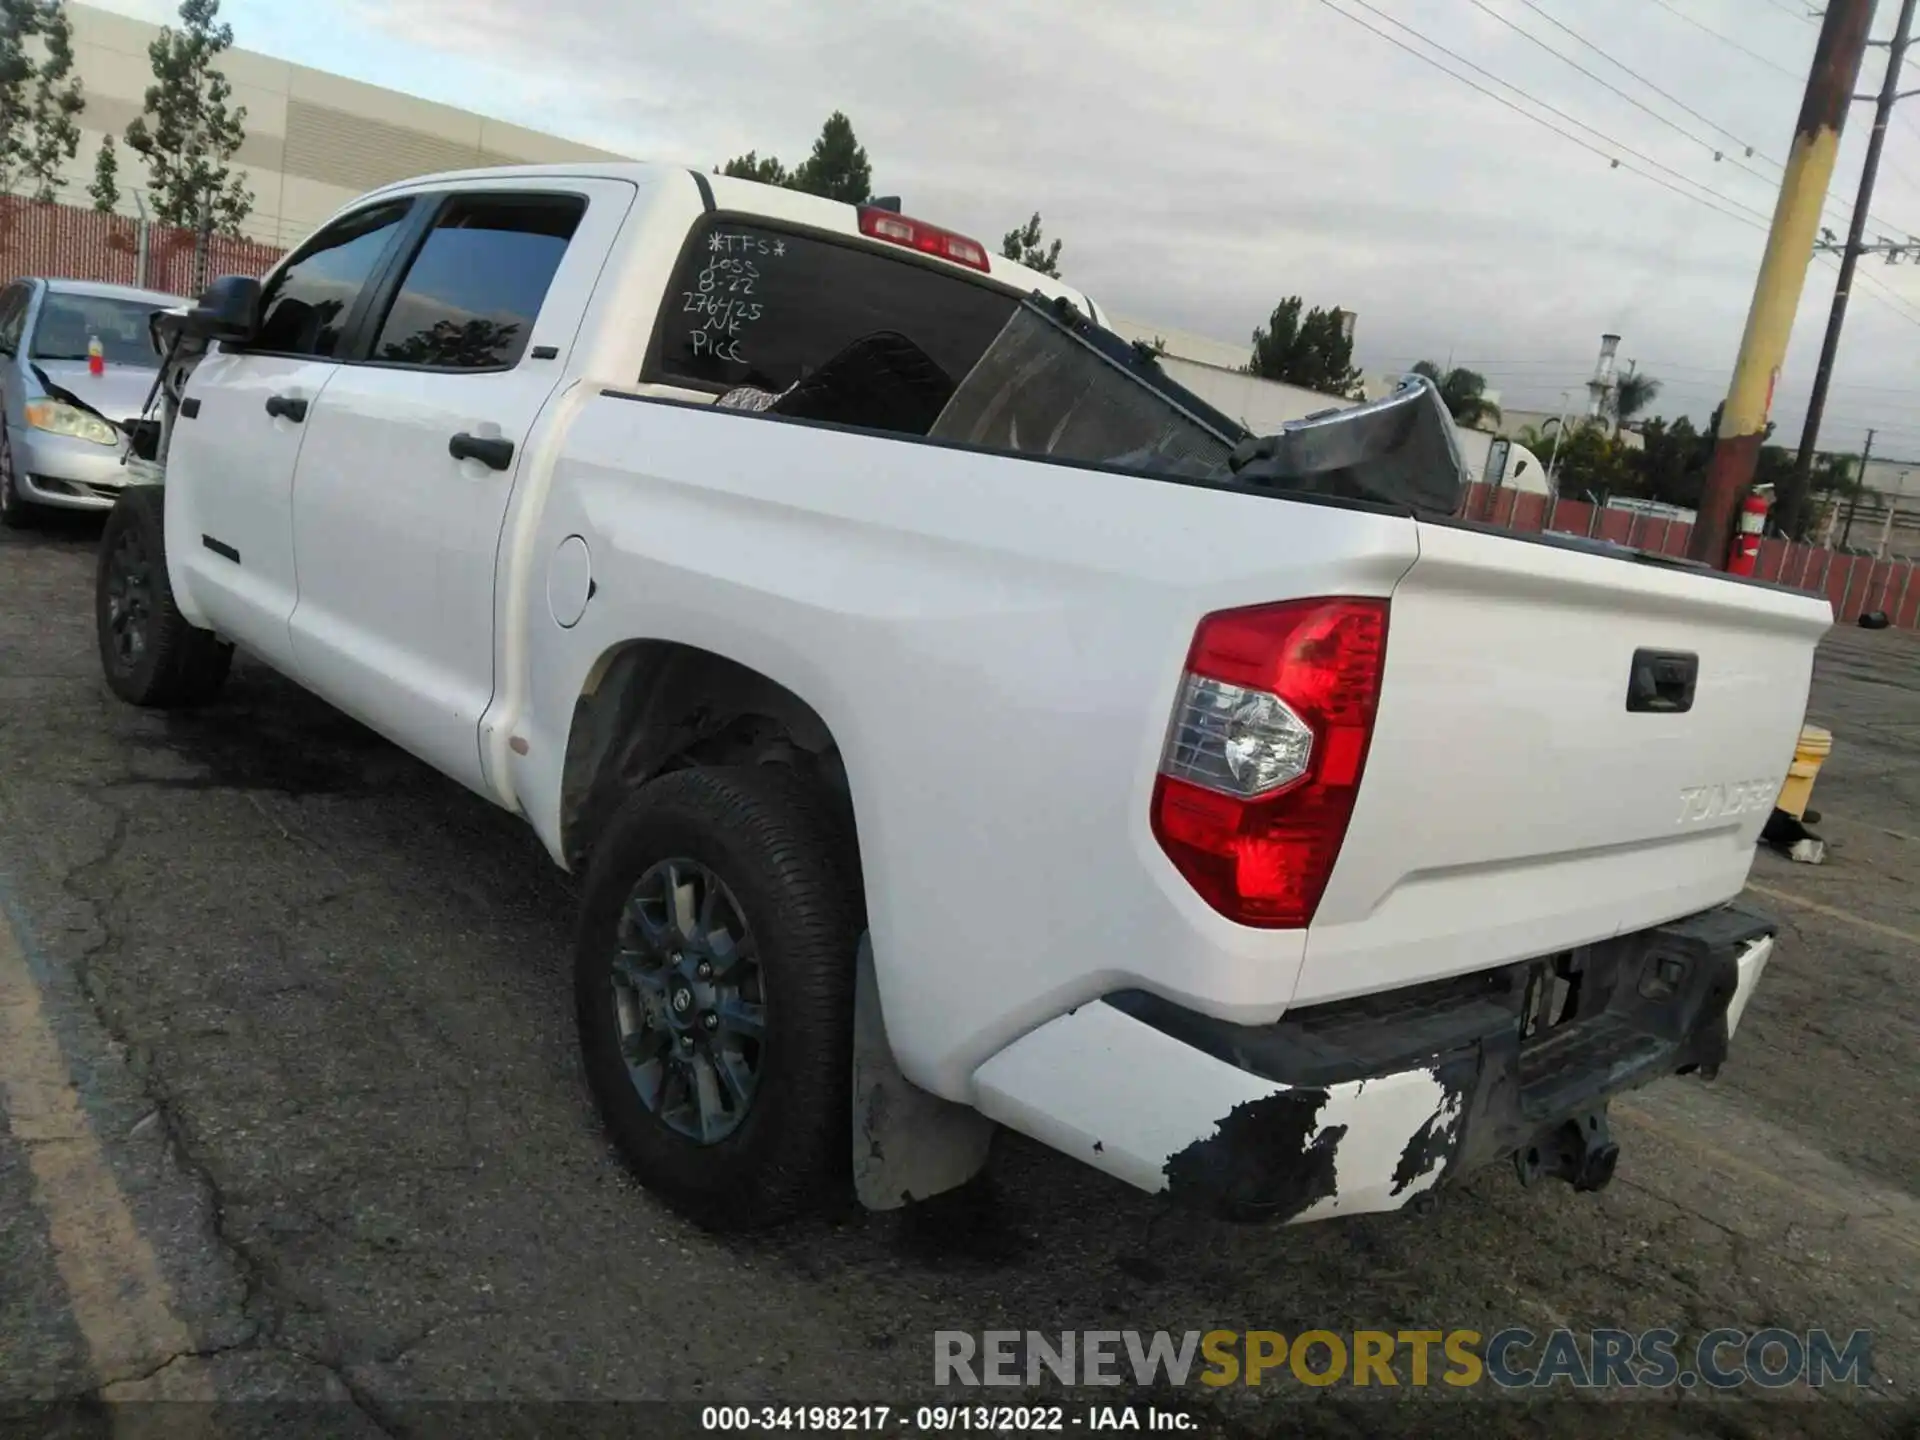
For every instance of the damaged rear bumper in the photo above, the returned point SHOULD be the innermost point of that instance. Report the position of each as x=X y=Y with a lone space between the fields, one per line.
x=1363 y=1105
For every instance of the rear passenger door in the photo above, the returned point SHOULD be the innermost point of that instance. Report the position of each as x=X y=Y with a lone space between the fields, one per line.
x=412 y=453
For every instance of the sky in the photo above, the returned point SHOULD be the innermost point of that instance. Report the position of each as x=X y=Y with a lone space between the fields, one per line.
x=1203 y=159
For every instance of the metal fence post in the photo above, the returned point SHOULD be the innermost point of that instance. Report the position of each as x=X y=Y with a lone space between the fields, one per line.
x=1846 y=595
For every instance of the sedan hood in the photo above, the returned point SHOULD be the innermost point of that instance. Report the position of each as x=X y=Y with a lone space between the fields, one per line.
x=118 y=394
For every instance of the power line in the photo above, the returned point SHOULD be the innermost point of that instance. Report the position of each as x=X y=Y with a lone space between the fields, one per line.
x=1805 y=17
x=1726 y=40
x=1632 y=100
x=1670 y=98
x=1664 y=95
x=1890 y=297
x=1912 y=389
x=1752 y=217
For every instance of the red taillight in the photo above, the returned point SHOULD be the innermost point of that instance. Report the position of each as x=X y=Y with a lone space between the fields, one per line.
x=918 y=235
x=1265 y=754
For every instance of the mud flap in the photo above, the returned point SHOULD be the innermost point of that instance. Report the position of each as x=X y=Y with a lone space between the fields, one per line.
x=907 y=1143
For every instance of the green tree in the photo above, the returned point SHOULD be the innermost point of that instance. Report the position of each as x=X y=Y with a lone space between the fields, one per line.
x=105 y=189
x=1029 y=248
x=17 y=21
x=837 y=168
x=1673 y=461
x=1834 y=485
x=1632 y=394
x=1313 y=351
x=189 y=130
x=1591 y=464
x=40 y=98
x=57 y=103
x=751 y=167
x=1463 y=392
x=461 y=344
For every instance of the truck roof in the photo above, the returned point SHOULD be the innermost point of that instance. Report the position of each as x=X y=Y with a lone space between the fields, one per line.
x=750 y=197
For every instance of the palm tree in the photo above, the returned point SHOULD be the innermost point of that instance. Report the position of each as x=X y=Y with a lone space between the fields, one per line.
x=1463 y=392
x=1632 y=394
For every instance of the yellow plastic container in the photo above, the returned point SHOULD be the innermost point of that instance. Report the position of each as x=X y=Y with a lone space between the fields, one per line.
x=1808 y=756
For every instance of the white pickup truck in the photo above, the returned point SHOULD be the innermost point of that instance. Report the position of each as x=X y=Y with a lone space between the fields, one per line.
x=1284 y=849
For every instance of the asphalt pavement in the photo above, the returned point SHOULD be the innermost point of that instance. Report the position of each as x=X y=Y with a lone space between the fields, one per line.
x=293 y=1120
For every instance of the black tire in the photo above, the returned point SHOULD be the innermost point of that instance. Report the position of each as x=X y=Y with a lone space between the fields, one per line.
x=16 y=513
x=787 y=863
x=149 y=652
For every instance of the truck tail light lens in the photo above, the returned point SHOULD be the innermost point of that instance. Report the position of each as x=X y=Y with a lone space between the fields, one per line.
x=1265 y=753
x=918 y=235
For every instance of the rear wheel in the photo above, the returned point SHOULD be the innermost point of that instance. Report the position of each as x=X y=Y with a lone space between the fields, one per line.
x=16 y=513
x=151 y=654
x=714 y=992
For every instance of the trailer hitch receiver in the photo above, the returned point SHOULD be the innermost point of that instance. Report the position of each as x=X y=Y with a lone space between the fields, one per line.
x=1580 y=1151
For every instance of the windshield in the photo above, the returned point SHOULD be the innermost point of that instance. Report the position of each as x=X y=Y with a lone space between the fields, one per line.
x=68 y=322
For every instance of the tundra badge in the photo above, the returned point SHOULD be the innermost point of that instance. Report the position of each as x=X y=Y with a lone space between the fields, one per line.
x=1714 y=802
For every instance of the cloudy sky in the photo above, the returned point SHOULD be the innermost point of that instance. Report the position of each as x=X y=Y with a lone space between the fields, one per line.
x=1204 y=158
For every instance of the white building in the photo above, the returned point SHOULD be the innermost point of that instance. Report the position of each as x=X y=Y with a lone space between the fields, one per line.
x=314 y=140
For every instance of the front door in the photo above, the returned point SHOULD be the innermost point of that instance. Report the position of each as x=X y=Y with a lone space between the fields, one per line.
x=241 y=428
x=402 y=489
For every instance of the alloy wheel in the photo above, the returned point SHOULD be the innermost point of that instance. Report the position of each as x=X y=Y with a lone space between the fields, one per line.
x=129 y=598
x=690 y=1000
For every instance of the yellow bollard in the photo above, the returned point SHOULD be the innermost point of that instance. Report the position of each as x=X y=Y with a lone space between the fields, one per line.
x=1808 y=756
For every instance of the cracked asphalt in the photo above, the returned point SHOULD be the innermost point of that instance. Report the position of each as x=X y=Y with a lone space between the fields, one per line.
x=312 y=1005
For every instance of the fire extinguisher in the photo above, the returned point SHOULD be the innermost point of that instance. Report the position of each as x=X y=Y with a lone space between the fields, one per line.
x=1745 y=555
x=96 y=357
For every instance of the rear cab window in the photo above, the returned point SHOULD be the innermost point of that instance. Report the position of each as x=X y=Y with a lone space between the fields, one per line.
x=817 y=327
x=756 y=305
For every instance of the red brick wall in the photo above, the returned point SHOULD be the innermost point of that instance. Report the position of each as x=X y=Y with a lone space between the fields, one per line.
x=77 y=244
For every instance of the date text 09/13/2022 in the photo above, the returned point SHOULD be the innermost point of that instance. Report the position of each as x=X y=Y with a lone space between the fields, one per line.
x=942 y=1419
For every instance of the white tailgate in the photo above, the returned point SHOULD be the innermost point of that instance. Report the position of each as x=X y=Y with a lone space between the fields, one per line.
x=1512 y=806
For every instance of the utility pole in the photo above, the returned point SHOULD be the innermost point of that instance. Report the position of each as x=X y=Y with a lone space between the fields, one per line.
x=1783 y=274
x=1795 y=499
x=1860 y=480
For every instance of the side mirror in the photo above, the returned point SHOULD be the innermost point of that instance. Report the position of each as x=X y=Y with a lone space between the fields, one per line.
x=229 y=310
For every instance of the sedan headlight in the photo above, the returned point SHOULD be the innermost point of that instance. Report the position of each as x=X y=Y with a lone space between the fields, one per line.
x=58 y=419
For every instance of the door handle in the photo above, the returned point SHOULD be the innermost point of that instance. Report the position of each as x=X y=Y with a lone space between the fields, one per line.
x=285 y=407
x=1662 y=682
x=490 y=450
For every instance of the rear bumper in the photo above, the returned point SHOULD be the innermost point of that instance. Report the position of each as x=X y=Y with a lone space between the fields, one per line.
x=62 y=471
x=1363 y=1105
